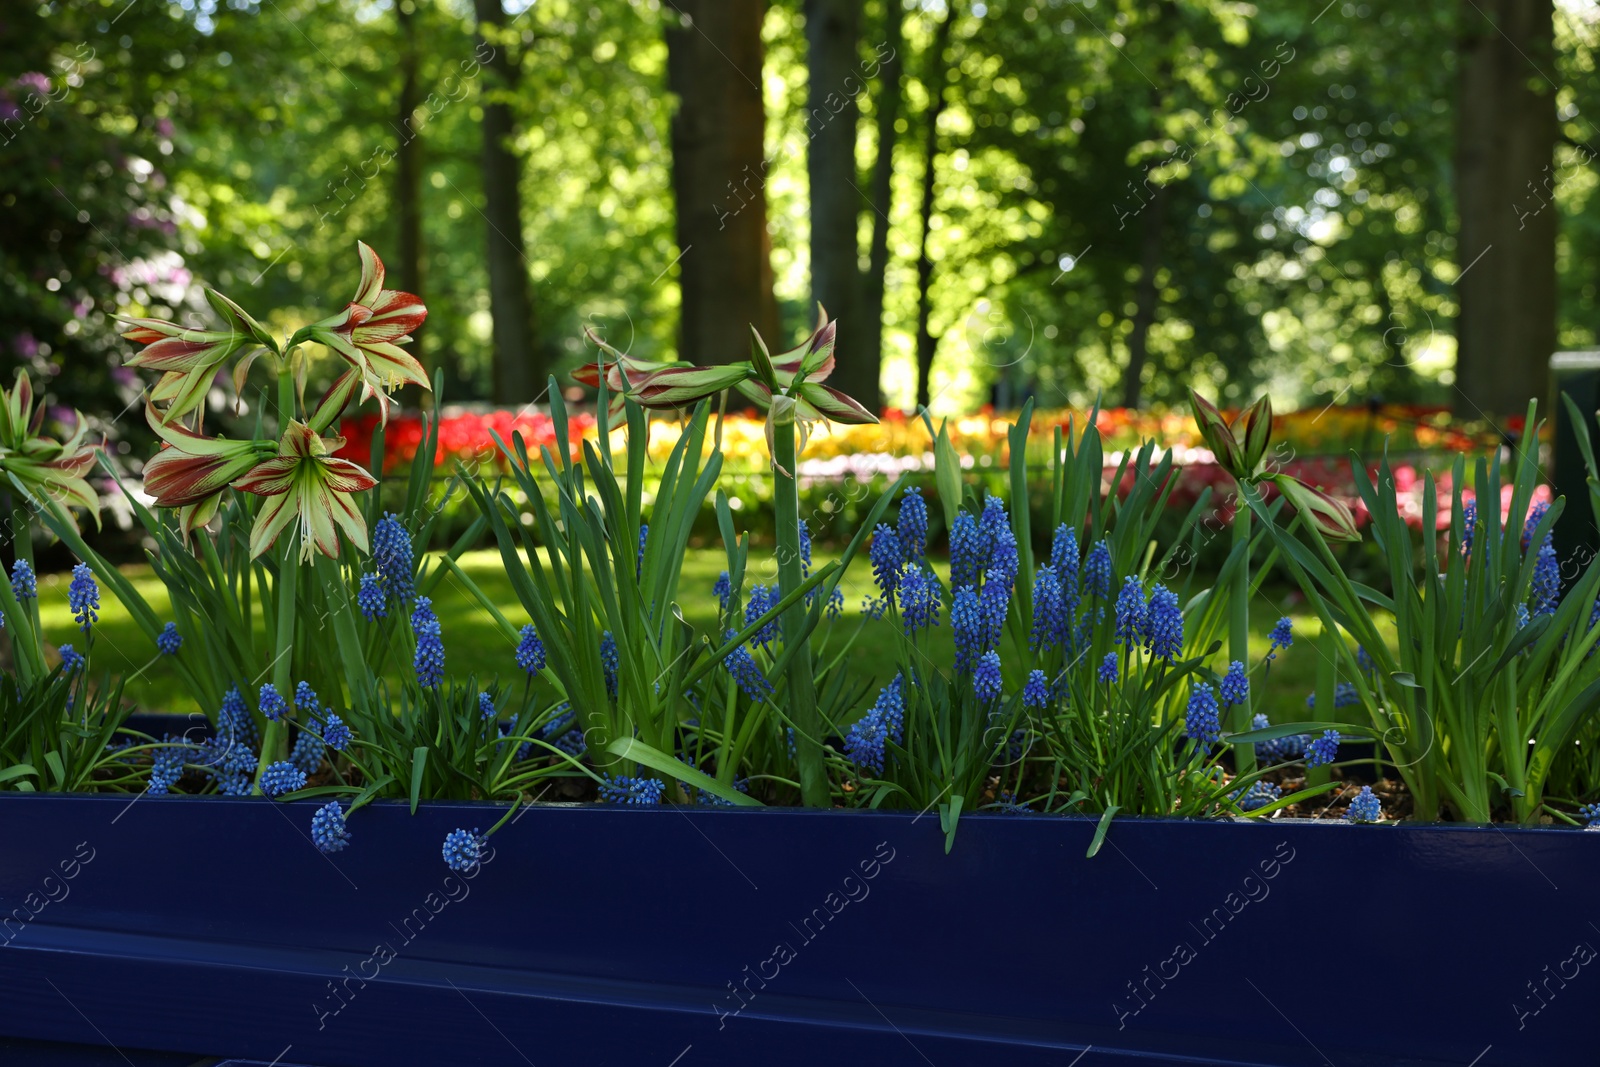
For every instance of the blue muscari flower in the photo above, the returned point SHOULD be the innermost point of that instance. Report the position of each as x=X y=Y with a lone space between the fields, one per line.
x=71 y=659
x=863 y=743
x=24 y=586
x=1364 y=659
x=1365 y=807
x=1036 y=691
x=234 y=724
x=429 y=659
x=1049 y=611
x=486 y=708
x=913 y=525
x=1235 y=688
x=1132 y=612
x=83 y=596
x=966 y=551
x=610 y=662
x=282 y=777
x=1322 y=750
x=891 y=708
x=919 y=600
x=805 y=549
x=644 y=534
x=1591 y=813
x=621 y=789
x=1535 y=515
x=393 y=556
x=1108 y=669
x=789 y=735
x=166 y=766
x=966 y=620
x=169 y=640
x=335 y=734
x=762 y=600
x=835 y=606
x=530 y=650
x=307 y=752
x=1279 y=748
x=463 y=849
x=1064 y=560
x=1545 y=591
x=562 y=721
x=1523 y=618
x=874 y=607
x=986 y=683
x=1469 y=523
x=887 y=558
x=1165 y=625
x=305 y=699
x=272 y=703
x=1201 y=722
x=746 y=673
x=1282 y=636
x=1097 y=571
x=328 y=831
x=723 y=590
x=371 y=598
x=1259 y=795
x=994 y=602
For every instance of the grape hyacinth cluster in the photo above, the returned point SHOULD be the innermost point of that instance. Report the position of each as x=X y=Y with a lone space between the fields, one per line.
x=723 y=589
x=1282 y=636
x=1279 y=749
x=271 y=702
x=307 y=752
x=1097 y=571
x=166 y=766
x=371 y=598
x=610 y=662
x=1201 y=721
x=335 y=734
x=1344 y=695
x=429 y=659
x=1036 y=691
x=623 y=789
x=1107 y=674
x=1235 y=687
x=1591 y=814
x=986 y=681
x=486 y=708
x=72 y=660
x=282 y=777
x=1365 y=807
x=169 y=640
x=1259 y=795
x=24 y=585
x=530 y=650
x=883 y=722
x=1321 y=751
x=83 y=597
x=762 y=600
x=328 y=830
x=463 y=850
x=919 y=600
x=394 y=558
x=742 y=666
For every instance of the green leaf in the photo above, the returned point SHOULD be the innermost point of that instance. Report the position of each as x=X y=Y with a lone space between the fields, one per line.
x=17 y=770
x=419 y=763
x=949 y=818
x=639 y=752
x=1101 y=830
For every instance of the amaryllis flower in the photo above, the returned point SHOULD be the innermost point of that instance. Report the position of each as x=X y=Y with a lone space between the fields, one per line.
x=192 y=470
x=627 y=375
x=368 y=332
x=188 y=359
x=306 y=483
x=799 y=373
x=52 y=471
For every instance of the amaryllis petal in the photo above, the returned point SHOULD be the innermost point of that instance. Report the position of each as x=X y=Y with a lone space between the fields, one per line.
x=306 y=483
x=834 y=405
x=269 y=477
x=371 y=275
x=275 y=514
x=366 y=333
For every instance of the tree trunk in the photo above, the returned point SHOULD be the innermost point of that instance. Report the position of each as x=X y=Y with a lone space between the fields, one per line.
x=1144 y=295
x=938 y=79
x=833 y=36
x=408 y=175
x=719 y=175
x=1506 y=245
x=871 y=337
x=518 y=370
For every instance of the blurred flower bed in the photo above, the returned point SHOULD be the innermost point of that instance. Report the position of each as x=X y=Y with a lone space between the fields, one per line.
x=844 y=465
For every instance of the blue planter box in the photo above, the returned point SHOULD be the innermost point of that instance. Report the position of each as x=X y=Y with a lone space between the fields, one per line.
x=593 y=934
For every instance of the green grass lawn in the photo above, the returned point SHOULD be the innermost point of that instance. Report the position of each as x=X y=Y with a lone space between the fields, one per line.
x=475 y=644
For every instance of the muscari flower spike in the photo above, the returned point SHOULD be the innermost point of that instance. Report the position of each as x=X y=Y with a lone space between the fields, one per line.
x=372 y=598
x=610 y=662
x=1201 y=722
x=966 y=555
x=912 y=527
x=1365 y=807
x=966 y=620
x=1235 y=688
x=463 y=849
x=1322 y=750
x=919 y=600
x=486 y=708
x=280 y=778
x=1108 y=669
x=863 y=743
x=169 y=640
x=1050 y=619
x=166 y=766
x=429 y=659
x=83 y=596
x=887 y=557
x=762 y=600
x=335 y=734
x=24 y=585
x=272 y=703
x=328 y=830
x=1545 y=589
x=622 y=789
x=307 y=752
x=71 y=660
x=1282 y=636
x=1164 y=628
x=723 y=589
x=530 y=650
x=1259 y=795
x=1097 y=571
x=394 y=558
x=1036 y=691
x=305 y=699
x=742 y=666
x=986 y=682
x=1591 y=813
x=1132 y=612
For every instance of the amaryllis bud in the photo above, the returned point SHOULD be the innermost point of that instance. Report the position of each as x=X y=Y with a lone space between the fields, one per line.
x=1253 y=431
x=1218 y=436
x=1328 y=515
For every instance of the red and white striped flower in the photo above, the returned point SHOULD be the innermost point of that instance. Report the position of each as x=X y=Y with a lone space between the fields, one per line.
x=307 y=484
x=191 y=470
x=53 y=471
x=368 y=334
x=188 y=359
